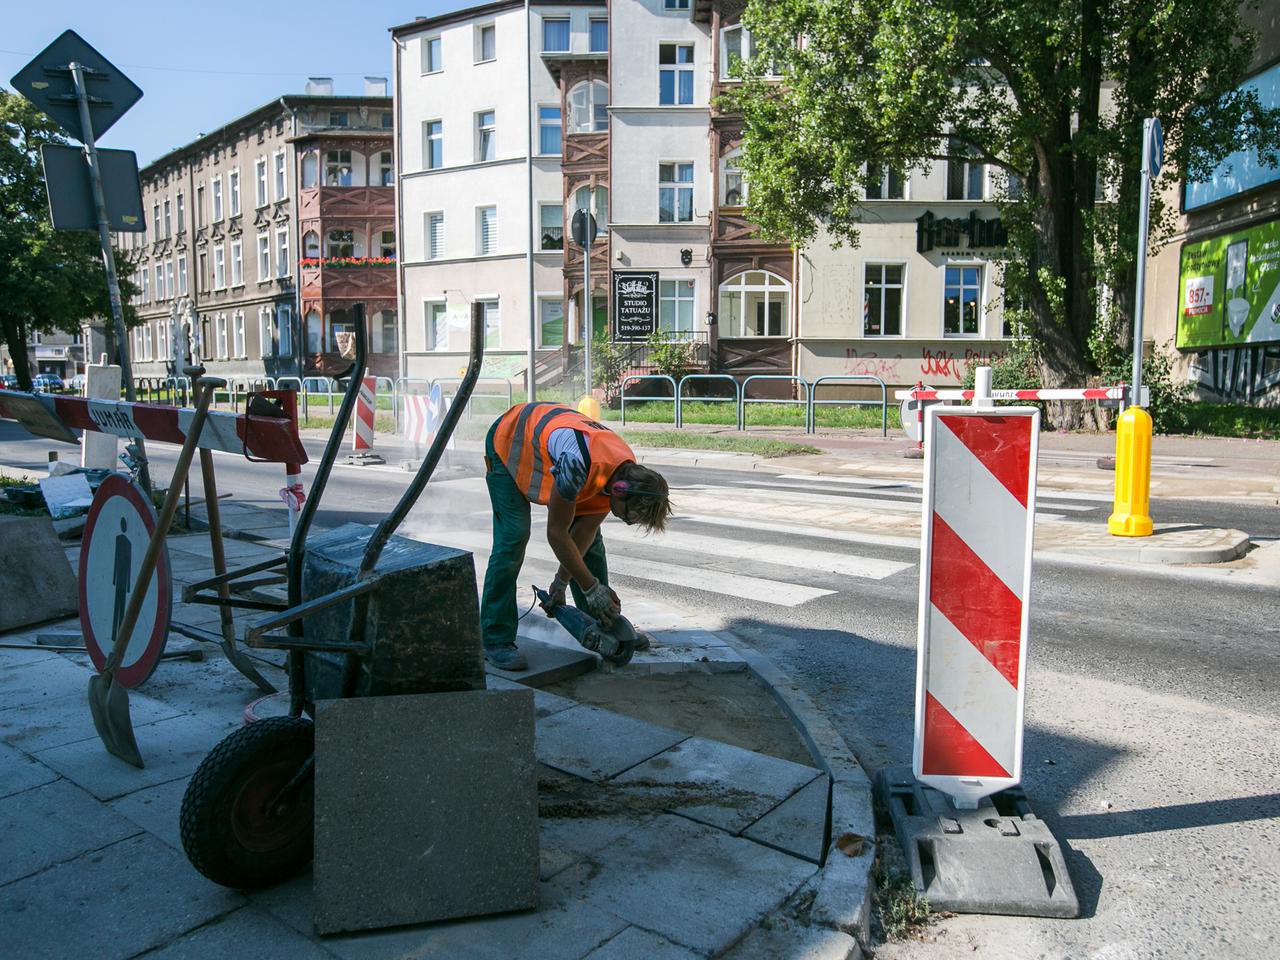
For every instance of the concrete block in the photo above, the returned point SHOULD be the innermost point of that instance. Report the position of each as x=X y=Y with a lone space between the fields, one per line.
x=692 y=884
x=247 y=934
x=798 y=824
x=718 y=784
x=544 y=704
x=43 y=681
x=843 y=896
x=155 y=810
x=595 y=744
x=125 y=899
x=548 y=663
x=795 y=942
x=43 y=586
x=170 y=748
x=19 y=772
x=55 y=721
x=851 y=809
x=426 y=808
x=52 y=823
x=636 y=944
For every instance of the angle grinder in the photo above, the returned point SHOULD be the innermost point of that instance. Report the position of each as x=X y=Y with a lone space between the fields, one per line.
x=615 y=643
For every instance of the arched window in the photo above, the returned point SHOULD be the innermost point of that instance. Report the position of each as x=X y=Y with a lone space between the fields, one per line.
x=756 y=303
x=589 y=107
x=733 y=183
x=315 y=332
x=582 y=201
x=311 y=244
x=310 y=169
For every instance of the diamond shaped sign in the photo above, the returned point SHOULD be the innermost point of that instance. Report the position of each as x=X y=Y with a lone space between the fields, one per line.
x=46 y=81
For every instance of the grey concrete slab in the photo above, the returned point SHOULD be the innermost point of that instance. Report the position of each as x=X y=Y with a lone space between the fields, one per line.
x=52 y=823
x=596 y=744
x=798 y=824
x=548 y=663
x=53 y=721
x=12 y=658
x=544 y=704
x=43 y=586
x=718 y=784
x=156 y=810
x=127 y=898
x=39 y=681
x=170 y=749
x=566 y=840
x=426 y=808
x=19 y=771
x=636 y=944
x=247 y=934
x=213 y=690
x=795 y=942
x=693 y=884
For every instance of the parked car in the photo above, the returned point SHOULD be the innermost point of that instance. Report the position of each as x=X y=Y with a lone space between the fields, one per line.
x=8 y=382
x=47 y=383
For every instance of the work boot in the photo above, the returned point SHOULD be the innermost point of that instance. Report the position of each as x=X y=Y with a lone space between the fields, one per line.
x=506 y=657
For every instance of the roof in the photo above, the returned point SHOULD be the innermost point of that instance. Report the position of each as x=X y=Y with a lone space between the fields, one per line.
x=484 y=10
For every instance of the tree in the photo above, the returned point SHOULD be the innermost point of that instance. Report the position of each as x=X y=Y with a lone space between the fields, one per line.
x=49 y=279
x=1050 y=94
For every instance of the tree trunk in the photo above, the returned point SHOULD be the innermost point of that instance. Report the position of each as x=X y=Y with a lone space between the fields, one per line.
x=15 y=335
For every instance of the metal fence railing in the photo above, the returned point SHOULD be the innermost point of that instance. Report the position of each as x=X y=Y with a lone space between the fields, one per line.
x=736 y=399
x=810 y=424
x=637 y=377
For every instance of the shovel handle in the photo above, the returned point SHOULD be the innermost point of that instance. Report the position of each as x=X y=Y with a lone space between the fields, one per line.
x=204 y=393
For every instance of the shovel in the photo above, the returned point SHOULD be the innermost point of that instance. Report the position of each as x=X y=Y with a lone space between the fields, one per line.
x=108 y=700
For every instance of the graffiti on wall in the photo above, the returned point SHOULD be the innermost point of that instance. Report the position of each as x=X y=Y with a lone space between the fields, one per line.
x=940 y=366
x=1239 y=374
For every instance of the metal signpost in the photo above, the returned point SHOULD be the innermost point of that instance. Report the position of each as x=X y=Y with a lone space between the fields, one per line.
x=584 y=234
x=1152 y=161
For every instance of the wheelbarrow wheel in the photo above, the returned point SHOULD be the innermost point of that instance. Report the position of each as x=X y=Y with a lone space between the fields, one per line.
x=240 y=827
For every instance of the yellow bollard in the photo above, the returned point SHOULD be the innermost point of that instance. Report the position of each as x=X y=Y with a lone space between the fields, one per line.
x=589 y=406
x=1131 y=516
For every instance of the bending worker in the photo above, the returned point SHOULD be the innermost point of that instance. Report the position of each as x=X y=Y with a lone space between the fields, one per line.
x=581 y=471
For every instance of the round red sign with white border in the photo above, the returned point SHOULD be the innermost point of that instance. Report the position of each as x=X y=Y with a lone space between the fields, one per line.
x=119 y=527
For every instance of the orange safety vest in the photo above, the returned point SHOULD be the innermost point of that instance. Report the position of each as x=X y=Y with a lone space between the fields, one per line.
x=521 y=444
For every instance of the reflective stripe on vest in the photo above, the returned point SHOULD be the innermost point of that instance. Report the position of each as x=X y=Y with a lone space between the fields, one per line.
x=521 y=444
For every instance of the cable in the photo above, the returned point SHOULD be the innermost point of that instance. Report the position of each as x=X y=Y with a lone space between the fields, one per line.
x=530 y=610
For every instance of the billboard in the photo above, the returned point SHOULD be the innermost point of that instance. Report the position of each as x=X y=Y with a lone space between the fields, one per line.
x=1242 y=170
x=1229 y=289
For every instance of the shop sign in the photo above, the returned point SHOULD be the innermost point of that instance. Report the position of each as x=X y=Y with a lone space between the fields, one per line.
x=1229 y=289
x=635 y=304
x=934 y=231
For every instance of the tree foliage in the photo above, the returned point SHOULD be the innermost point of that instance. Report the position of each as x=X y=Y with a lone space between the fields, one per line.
x=1050 y=94
x=50 y=280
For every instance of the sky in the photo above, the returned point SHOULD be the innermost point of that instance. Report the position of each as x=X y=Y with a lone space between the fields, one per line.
x=200 y=65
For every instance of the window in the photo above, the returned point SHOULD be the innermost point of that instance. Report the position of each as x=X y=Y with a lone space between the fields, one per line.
x=432 y=144
x=599 y=35
x=551 y=323
x=221 y=324
x=486 y=42
x=885 y=183
x=310 y=169
x=182 y=212
x=882 y=300
x=755 y=304
x=582 y=201
x=340 y=243
x=675 y=306
x=435 y=324
x=387 y=120
x=202 y=262
x=589 y=107
x=238 y=327
x=339 y=118
x=182 y=276
x=386 y=169
x=387 y=244
x=311 y=244
x=486 y=148
x=237 y=263
x=434 y=232
x=282 y=186
x=282 y=252
x=168 y=219
x=555 y=35
x=233 y=187
x=675 y=192
x=284 y=330
x=337 y=168
x=549 y=131
x=492 y=333
x=155 y=221
x=315 y=332
x=431 y=60
x=551 y=226
x=160 y=294
x=738 y=46
x=486 y=230
x=733 y=185
x=384 y=332
x=675 y=4
x=200 y=206
x=260 y=181
x=171 y=288
x=147 y=348
x=264 y=256
x=145 y=285
x=962 y=302
x=675 y=73
x=966 y=180
x=264 y=332
x=217 y=199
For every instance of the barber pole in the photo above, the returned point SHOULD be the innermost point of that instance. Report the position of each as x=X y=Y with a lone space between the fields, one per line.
x=975 y=563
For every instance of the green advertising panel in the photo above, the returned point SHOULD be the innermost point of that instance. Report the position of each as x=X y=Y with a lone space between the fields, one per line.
x=1229 y=289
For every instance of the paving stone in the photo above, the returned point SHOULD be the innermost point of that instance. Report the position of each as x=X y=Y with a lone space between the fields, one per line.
x=54 y=721
x=156 y=810
x=247 y=934
x=697 y=886
x=426 y=808
x=170 y=748
x=798 y=824
x=19 y=772
x=544 y=704
x=127 y=898
x=566 y=840
x=10 y=658
x=596 y=744
x=548 y=663
x=739 y=786
x=636 y=944
x=43 y=586
x=52 y=823
x=795 y=942
x=40 y=681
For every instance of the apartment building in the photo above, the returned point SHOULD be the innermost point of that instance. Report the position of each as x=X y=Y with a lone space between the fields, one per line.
x=262 y=235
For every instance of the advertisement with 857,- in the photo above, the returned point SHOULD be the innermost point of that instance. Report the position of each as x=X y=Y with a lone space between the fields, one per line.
x=1229 y=289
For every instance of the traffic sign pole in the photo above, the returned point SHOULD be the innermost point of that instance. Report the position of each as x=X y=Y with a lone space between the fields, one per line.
x=108 y=255
x=586 y=296
x=1151 y=131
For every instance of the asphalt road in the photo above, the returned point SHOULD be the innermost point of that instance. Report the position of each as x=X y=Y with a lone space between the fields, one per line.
x=1151 y=736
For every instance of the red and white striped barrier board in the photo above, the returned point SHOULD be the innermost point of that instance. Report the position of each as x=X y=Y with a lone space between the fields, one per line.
x=1088 y=393
x=423 y=416
x=366 y=409
x=975 y=579
x=264 y=438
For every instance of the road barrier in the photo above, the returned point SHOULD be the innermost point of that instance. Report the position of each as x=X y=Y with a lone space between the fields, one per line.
x=743 y=399
x=639 y=377
x=736 y=399
x=366 y=410
x=810 y=425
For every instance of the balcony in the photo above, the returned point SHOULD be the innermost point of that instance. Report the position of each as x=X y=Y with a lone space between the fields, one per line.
x=359 y=203
x=328 y=278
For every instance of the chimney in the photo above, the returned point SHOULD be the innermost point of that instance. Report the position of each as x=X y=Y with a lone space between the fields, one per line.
x=319 y=86
x=375 y=86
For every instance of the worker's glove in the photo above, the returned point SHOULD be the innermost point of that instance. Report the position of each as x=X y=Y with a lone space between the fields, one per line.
x=555 y=596
x=603 y=604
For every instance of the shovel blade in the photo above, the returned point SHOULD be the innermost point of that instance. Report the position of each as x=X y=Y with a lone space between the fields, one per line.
x=109 y=704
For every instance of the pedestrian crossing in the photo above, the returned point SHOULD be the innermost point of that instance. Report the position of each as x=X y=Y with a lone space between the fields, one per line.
x=903 y=491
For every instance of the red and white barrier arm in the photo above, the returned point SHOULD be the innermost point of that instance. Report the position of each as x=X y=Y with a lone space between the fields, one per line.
x=1090 y=393
x=264 y=438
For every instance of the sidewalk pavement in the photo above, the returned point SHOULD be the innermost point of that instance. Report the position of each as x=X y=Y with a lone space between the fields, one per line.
x=654 y=843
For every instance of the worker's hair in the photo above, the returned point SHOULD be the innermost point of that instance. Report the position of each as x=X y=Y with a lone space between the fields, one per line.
x=648 y=499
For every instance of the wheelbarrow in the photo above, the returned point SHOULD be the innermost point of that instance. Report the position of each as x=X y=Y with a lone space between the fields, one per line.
x=369 y=614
